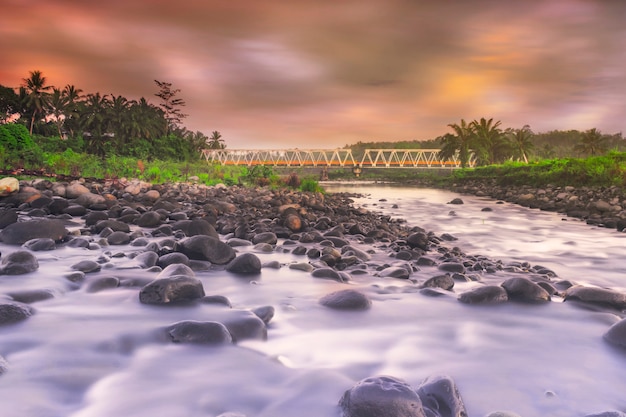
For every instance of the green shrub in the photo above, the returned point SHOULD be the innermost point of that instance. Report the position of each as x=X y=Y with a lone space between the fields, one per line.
x=310 y=185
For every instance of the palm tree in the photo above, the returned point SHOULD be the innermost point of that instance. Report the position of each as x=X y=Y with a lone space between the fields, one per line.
x=215 y=141
x=57 y=104
x=74 y=98
x=591 y=142
x=460 y=142
x=521 y=140
x=37 y=94
x=96 y=122
x=491 y=144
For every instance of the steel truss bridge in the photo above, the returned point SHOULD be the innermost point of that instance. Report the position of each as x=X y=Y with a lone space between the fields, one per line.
x=337 y=158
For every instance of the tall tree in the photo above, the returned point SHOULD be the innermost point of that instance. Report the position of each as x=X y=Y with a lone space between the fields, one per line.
x=461 y=142
x=37 y=94
x=9 y=103
x=490 y=143
x=592 y=142
x=74 y=98
x=521 y=140
x=170 y=104
x=215 y=141
x=57 y=105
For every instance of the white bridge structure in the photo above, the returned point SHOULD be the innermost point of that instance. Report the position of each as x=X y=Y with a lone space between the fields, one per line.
x=338 y=158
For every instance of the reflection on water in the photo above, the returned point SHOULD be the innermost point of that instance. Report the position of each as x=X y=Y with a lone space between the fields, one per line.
x=90 y=355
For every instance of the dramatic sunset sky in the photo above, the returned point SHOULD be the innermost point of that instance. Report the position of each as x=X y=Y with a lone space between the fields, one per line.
x=325 y=73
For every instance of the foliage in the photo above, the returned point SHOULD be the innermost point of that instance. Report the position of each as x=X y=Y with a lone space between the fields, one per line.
x=310 y=185
x=18 y=148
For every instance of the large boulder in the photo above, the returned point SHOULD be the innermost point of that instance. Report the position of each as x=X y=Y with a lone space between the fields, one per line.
x=21 y=232
x=12 y=312
x=596 y=296
x=246 y=263
x=206 y=248
x=524 y=290
x=172 y=290
x=381 y=396
x=18 y=263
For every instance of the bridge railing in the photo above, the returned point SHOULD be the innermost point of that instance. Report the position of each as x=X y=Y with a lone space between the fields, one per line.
x=373 y=158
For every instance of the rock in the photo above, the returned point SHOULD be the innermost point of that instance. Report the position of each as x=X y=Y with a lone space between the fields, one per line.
x=327 y=273
x=418 y=240
x=265 y=237
x=440 y=395
x=244 y=325
x=394 y=272
x=207 y=332
x=486 y=294
x=118 y=238
x=452 y=267
x=608 y=414
x=149 y=219
x=616 y=334
x=13 y=312
x=176 y=269
x=7 y=217
x=18 y=263
x=31 y=296
x=216 y=299
x=456 y=201
x=246 y=263
x=4 y=365
x=9 y=185
x=172 y=290
x=40 y=244
x=445 y=282
x=21 y=232
x=293 y=222
x=503 y=414
x=523 y=289
x=172 y=258
x=147 y=259
x=75 y=189
x=90 y=199
x=381 y=396
x=114 y=225
x=102 y=283
x=86 y=266
x=346 y=300
x=206 y=248
x=265 y=313
x=596 y=296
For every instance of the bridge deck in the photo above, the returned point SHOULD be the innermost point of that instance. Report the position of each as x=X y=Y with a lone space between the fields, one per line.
x=373 y=158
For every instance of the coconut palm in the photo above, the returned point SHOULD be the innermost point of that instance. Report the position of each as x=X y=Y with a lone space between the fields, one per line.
x=592 y=142
x=460 y=142
x=521 y=140
x=490 y=145
x=215 y=141
x=74 y=97
x=36 y=95
x=57 y=107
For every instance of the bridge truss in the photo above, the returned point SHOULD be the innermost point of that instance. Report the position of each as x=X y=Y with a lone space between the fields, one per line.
x=372 y=158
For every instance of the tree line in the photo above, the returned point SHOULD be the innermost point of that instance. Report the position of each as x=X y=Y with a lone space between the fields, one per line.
x=103 y=124
x=487 y=142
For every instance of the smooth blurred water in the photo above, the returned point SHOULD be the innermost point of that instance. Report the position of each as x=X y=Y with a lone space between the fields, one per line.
x=90 y=355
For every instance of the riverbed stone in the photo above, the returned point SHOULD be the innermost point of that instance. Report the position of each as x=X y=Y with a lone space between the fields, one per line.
x=244 y=325
x=246 y=263
x=4 y=365
x=445 y=282
x=40 y=244
x=31 y=296
x=452 y=267
x=265 y=313
x=440 y=395
x=175 y=269
x=394 y=272
x=596 y=296
x=149 y=219
x=75 y=189
x=607 y=414
x=21 y=232
x=13 y=312
x=418 y=240
x=102 y=283
x=381 y=396
x=485 y=294
x=616 y=334
x=524 y=290
x=114 y=225
x=18 y=263
x=9 y=185
x=265 y=237
x=118 y=238
x=206 y=248
x=327 y=273
x=346 y=300
x=172 y=258
x=172 y=290
x=7 y=217
x=199 y=332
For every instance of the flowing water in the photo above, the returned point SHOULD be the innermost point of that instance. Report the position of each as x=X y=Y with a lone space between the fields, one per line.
x=90 y=355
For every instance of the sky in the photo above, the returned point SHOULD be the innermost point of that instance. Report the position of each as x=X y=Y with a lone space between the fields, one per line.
x=271 y=74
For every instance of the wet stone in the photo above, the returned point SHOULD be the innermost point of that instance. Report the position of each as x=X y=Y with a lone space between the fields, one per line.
x=86 y=266
x=172 y=290
x=21 y=232
x=327 y=273
x=118 y=238
x=18 y=263
x=616 y=335
x=102 y=283
x=14 y=312
x=216 y=299
x=246 y=263
x=445 y=282
x=31 y=296
x=486 y=294
x=265 y=313
x=524 y=290
x=596 y=296
x=208 y=333
x=346 y=300
x=172 y=258
x=206 y=248
x=394 y=272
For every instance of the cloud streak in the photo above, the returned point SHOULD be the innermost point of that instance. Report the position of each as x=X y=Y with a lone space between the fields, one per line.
x=325 y=73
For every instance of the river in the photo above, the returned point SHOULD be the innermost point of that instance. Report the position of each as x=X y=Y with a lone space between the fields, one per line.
x=83 y=354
